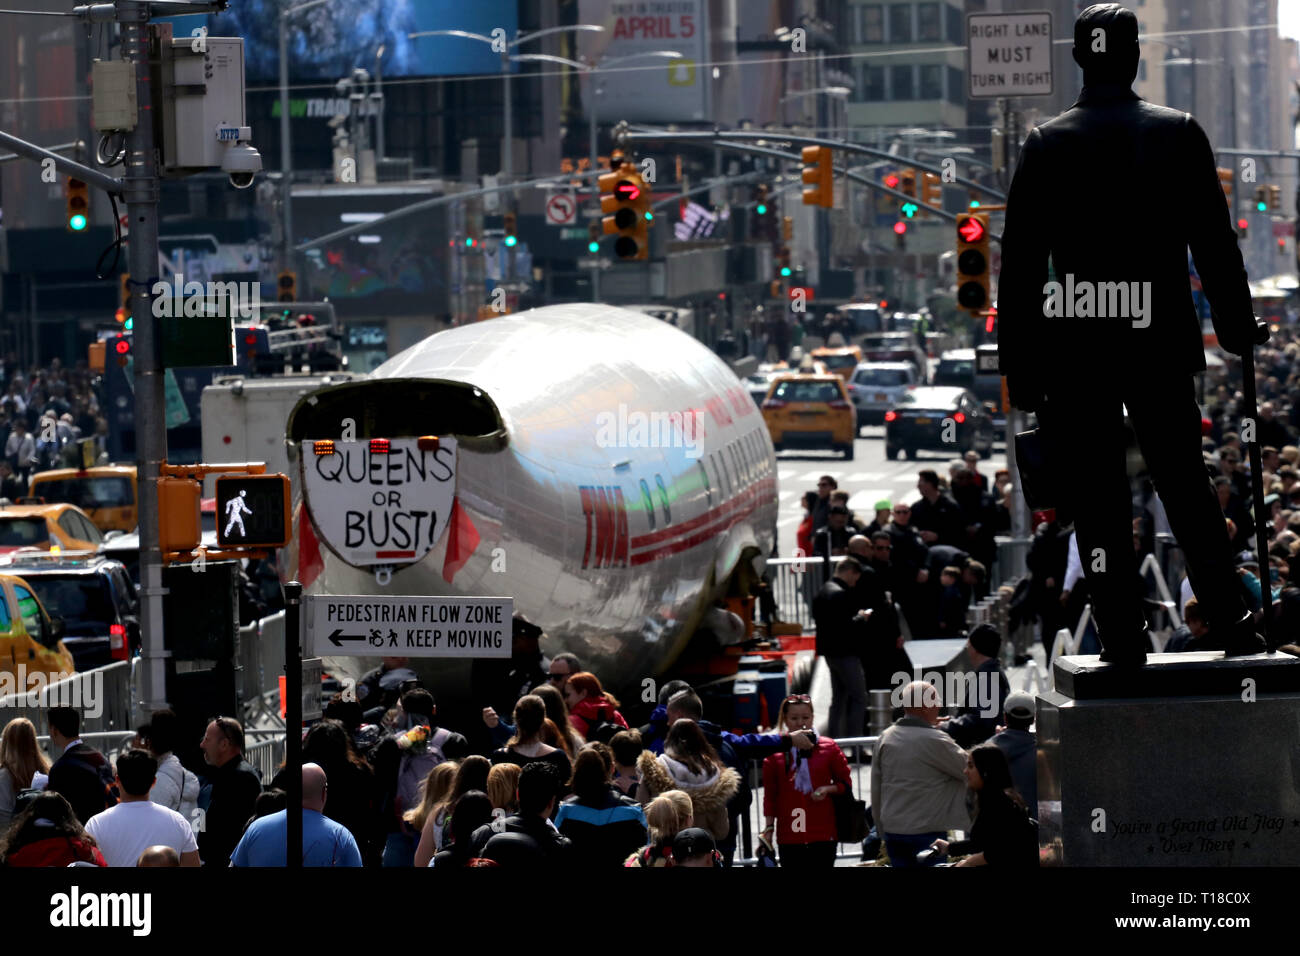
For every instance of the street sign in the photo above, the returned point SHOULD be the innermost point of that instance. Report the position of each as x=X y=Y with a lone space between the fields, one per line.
x=312 y=671
x=408 y=625
x=1010 y=54
x=253 y=511
x=561 y=210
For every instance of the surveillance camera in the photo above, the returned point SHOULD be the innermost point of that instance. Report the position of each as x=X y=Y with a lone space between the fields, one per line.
x=242 y=162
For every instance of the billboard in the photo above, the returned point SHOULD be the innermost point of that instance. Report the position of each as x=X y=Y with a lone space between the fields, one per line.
x=648 y=89
x=327 y=42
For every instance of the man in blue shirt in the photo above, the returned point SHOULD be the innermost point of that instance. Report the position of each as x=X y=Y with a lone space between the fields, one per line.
x=324 y=842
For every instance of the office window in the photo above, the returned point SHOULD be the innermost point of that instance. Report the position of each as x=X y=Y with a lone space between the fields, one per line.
x=872 y=84
x=956 y=92
x=956 y=24
x=931 y=81
x=927 y=21
x=873 y=23
x=900 y=24
x=900 y=81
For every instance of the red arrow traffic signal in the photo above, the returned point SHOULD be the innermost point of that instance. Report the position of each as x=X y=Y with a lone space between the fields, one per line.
x=970 y=230
x=626 y=191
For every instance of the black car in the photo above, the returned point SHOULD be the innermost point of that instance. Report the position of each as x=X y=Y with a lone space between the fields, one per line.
x=96 y=600
x=937 y=418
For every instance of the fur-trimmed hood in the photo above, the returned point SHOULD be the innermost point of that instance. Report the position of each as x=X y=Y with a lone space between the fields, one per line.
x=708 y=795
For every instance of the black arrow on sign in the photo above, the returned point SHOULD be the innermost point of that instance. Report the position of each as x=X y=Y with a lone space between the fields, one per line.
x=338 y=637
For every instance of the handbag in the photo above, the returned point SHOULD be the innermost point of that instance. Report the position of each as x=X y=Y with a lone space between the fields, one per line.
x=1038 y=480
x=850 y=816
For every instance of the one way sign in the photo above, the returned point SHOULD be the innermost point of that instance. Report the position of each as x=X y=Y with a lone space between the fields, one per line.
x=363 y=625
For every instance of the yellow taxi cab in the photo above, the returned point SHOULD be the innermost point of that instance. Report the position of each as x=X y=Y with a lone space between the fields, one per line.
x=810 y=411
x=106 y=493
x=839 y=361
x=43 y=527
x=28 y=637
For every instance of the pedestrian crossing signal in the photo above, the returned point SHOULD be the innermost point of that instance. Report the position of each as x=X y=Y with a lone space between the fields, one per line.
x=253 y=511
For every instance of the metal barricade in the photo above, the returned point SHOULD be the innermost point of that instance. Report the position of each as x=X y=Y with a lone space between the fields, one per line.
x=102 y=696
x=795 y=582
x=109 y=742
x=266 y=754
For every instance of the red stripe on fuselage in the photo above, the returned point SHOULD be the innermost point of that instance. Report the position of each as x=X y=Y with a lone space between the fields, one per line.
x=711 y=523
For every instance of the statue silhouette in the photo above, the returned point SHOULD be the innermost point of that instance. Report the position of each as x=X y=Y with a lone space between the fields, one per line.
x=1115 y=190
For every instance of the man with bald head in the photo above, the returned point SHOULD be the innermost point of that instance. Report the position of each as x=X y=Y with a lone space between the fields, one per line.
x=918 y=778
x=324 y=842
x=158 y=856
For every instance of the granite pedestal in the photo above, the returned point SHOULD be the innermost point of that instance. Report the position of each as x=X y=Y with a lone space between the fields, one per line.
x=1192 y=760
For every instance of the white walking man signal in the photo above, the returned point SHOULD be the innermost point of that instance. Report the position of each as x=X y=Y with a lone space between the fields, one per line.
x=236 y=509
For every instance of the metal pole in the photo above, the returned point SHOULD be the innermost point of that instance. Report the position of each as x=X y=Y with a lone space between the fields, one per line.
x=293 y=719
x=508 y=161
x=286 y=163
x=140 y=194
x=595 y=186
x=379 y=119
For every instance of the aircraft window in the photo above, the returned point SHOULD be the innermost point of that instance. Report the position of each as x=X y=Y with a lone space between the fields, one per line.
x=708 y=489
x=663 y=499
x=731 y=485
x=648 y=503
x=735 y=463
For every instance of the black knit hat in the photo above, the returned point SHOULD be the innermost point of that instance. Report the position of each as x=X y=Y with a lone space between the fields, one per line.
x=986 y=639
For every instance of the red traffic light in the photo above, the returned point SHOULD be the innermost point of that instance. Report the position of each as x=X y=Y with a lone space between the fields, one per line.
x=122 y=346
x=970 y=229
x=1242 y=224
x=627 y=191
x=892 y=181
x=900 y=227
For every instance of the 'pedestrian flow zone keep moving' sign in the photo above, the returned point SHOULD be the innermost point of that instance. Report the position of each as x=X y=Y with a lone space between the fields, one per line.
x=1010 y=54
x=411 y=625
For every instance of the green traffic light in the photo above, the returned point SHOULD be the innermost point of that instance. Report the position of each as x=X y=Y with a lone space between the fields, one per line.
x=761 y=209
x=77 y=223
x=593 y=246
x=974 y=203
x=649 y=216
x=511 y=240
x=128 y=324
x=469 y=242
x=1262 y=206
x=909 y=209
x=785 y=271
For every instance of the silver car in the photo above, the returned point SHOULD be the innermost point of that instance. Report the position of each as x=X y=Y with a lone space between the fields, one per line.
x=876 y=387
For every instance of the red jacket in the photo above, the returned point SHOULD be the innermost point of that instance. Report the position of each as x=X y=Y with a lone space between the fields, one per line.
x=803 y=536
x=827 y=765
x=56 y=851
x=591 y=711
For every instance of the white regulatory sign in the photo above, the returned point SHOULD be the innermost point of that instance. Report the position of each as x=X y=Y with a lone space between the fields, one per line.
x=411 y=625
x=1010 y=54
x=561 y=210
x=380 y=503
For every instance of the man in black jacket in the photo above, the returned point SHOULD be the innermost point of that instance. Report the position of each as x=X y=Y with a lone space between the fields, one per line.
x=526 y=839
x=937 y=516
x=80 y=773
x=232 y=788
x=1115 y=328
x=839 y=640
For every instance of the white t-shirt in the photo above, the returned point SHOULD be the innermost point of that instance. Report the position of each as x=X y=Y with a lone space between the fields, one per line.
x=125 y=831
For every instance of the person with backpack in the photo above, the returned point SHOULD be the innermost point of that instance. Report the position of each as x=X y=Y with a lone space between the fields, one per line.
x=80 y=773
x=592 y=711
x=1003 y=834
x=176 y=788
x=402 y=761
x=527 y=839
x=604 y=825
x=229 y=793
x=20 y=761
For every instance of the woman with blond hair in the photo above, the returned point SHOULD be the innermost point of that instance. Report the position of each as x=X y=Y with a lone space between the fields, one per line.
x=667 y=815
x=433 y=791
x=20 y=760
x=472 y=774
x=503 y=787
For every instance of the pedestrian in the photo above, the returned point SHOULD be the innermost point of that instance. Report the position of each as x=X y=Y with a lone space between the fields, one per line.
x=695 y=846
x=557 y=712
x=352 y=784
x=977 y=720
x=918 y=779
x=937 y=516
x=626 y=747
x=822 y=506
x=563 y=666
x=840 y=625
x=176 y=788
x=1149 y=343
x=158 y=856
x=526 y=746
x=527 y=839
x=46 y=834
x=593 y=711
x=803 y=535
x=325 y=842
x=433 y=794
x=125 y=831
x=502 y=681
x=1003 y=834
x=667 y=815
x=832 y=539
x=603 y=824
x=952 y=603
x=474 y=809
x=797 y=789
x=20 y=760
x=1018 y=743
x=231 y=789
x=691 y=764
x=472 y=774
x=80 y=772
x=503 y=781
x=883 y=509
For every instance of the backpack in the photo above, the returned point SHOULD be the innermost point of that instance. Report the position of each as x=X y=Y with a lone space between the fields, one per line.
x=104 y=770
x=415 y=767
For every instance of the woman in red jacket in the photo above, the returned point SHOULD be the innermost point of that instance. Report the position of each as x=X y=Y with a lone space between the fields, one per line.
x=797 y=790
x=47 y=833
x=590 y=706
x=803 y=536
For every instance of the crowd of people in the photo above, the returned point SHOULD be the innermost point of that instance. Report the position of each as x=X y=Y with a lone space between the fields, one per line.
x=565 y=782
x=44 y=415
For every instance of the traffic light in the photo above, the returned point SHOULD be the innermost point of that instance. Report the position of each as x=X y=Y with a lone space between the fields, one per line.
x=1274 y=198
x=973 y=261
x=891 y=180
x=760 y=200
x=179 y=528
x=900 y=234
x=123 y=313
x=1261 y=199
x=286 y=287
x=817 y=172
x=623 y=192
x=1243 y=227
x=593 y=237
x=77 y=202
x=1225 y=182
x=783 y=260
x=907 y=185
x=932 y=190
x=252 y=511
x=509 y=229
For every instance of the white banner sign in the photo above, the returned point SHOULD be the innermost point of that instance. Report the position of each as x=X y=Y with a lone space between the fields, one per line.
x=380 y=504
x=1010 y=54
x=410 y=625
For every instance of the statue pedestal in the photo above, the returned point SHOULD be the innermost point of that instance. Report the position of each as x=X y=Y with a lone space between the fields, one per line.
x=1193 y=760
